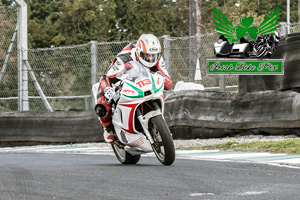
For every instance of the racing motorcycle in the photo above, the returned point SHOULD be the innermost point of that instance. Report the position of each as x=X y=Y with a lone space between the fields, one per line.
x=265 y=45
x=137 y=116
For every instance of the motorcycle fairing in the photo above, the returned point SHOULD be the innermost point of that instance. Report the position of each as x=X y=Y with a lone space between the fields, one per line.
x=137 y=89
x=125 y=129
x=127 y=121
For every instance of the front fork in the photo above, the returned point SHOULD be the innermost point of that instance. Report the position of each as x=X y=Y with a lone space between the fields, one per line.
x=145 y=119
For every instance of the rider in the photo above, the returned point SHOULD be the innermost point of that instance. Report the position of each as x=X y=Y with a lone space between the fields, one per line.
x=147 y=51
x=262 y=41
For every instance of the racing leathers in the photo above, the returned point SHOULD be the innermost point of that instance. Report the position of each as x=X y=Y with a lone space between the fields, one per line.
x=126 y=55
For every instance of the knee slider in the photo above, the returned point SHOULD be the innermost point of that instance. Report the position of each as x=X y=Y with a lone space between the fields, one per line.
x=101 y=110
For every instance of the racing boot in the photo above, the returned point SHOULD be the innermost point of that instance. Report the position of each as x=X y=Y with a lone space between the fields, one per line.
x=108 y=134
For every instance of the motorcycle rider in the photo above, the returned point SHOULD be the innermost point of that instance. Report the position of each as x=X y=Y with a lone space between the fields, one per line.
x=268 y=42
x=146 y=50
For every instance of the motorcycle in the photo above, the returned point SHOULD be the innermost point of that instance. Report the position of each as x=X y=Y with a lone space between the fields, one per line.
x=265 y=45
x=137 y=116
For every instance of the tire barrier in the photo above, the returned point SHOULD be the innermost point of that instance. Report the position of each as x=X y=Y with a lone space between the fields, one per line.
x=201 y=114
x=190 y=115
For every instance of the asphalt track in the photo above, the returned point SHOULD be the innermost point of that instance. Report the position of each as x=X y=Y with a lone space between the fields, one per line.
x=265 y=158
x=83 y=175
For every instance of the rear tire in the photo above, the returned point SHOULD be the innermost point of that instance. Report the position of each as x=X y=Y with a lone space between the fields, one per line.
x=123 y=156
x=163 y=146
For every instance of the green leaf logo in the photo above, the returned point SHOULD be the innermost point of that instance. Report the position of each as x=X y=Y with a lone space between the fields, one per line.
x=224 y=26
x=246 y=21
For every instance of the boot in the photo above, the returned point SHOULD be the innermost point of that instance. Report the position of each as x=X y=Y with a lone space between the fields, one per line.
x=108 y=134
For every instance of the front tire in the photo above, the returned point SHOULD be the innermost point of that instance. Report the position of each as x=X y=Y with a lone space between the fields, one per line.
x=261 y=51
x=123 y=156
x=163 y=146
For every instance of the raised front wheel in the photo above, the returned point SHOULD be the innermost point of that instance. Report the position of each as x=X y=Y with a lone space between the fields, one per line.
x=163 y=146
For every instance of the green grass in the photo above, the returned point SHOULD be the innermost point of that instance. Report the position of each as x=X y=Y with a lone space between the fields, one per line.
x=290 y=146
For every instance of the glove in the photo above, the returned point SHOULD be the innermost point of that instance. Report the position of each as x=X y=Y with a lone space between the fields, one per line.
x=109 y=93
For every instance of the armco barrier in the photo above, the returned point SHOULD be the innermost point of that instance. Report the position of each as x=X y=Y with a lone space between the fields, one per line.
x=190 y=115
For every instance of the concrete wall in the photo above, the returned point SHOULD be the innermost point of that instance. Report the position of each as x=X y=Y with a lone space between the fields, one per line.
x=45 y=127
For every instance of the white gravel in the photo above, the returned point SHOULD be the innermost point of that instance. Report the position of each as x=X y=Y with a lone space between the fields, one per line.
x=212 y=141
x=191 y=143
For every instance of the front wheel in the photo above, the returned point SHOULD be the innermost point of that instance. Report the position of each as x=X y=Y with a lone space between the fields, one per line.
x=261 y=51
x=123 y=156
x=163 y=145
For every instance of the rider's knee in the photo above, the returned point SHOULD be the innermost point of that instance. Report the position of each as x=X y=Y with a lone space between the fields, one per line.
x=103 y=110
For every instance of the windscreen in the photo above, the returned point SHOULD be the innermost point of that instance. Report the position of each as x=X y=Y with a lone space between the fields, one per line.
x=132 y=71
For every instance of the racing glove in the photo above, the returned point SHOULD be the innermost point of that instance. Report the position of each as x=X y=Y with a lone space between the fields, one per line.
x=109 y=93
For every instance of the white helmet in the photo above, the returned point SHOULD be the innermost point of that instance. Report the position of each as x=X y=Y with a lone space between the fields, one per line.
x=148 y=50
x=276 y=36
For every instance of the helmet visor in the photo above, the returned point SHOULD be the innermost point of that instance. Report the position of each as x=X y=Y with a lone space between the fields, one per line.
x=151 y=58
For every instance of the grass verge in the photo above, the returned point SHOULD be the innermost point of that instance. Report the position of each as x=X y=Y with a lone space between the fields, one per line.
x=290 y=146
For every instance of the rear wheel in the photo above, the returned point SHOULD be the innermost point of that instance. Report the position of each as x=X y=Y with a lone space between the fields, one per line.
x=163 y=145
x=123 y=156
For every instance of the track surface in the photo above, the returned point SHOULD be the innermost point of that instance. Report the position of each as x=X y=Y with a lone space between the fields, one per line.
x=85 y=176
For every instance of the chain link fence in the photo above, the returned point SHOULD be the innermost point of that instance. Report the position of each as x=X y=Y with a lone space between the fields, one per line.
x=66 y=74
x=181 y=56
x=8 y=59
x=292 y=28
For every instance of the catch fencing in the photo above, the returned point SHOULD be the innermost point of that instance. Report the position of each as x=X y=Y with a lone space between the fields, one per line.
x=8 y=59
x=65 y=75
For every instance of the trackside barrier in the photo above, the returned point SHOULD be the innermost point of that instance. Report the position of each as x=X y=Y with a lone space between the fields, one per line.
x=215 y=115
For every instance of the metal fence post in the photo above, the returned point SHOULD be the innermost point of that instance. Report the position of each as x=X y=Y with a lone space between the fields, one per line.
x=192 y=57
x=94 y=63
x=20 y=71
x=222 y=83
x=22 y=56
x=288 y=16
x=283 y=28
x=167 y=53
x=94 y=68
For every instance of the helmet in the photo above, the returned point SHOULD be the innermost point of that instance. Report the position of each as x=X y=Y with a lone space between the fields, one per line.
x=148 y=50
x=276 y=36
